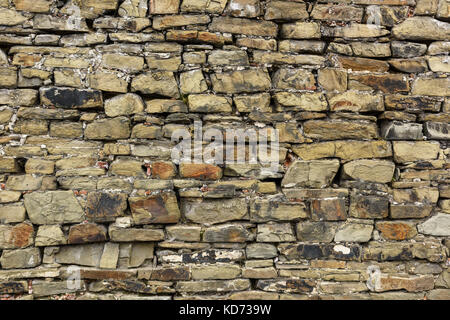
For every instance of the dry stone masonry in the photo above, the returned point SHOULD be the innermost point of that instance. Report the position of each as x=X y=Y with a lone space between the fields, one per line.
x=92 y=91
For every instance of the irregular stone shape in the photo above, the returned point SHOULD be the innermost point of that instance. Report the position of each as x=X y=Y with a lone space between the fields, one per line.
x=159 y=208
x=83 y=255
x=275 y=232
x=321 y=231
x=437 y=130
x=9 y=165
x=401 y=49
x=110 y=256
x=18 y=236
x=369 y=170
x=301 y=30
x=320 y=251
x=13 y=287
x=213 y=285
x=203 y=6
x=9 y=196
x=330 y=209
x=396 y=230
x=50 y=235
x=360 y=64
x=206 y=256
x=252 y=80
x=303 y=101
x=12 y=214
x=431 y=86
x=438 y=225
x=314 y=174
x=276 y=210
x=260 y=251
x=354 y=232
x=108 y=129
x=406 y=282
x=387 y=83
x=200 y=171
x=10 y=17
x=134 y=234
x=20 y=258
x=244 y=26
x=415 y=151
x=368 y=206
x=123 y=105
x=411 y=65
x=356 y=102
x=25 y=182
x=395 y=130
x=413 y=211
x=164 y=22
x=184 y=233
x=105 y=207
x=281 y=10
x=356 y=30
x=110 y=81
x=133 y=8
x=339 y=129
x=439 y=64
x=346 y=150
x=53 y=207
x=286 y=286
x=214 y=211
x=421 y=28
x=227 y=233
x=86 y=233
x=22 y=97
x=140 y=253
x=299 y=79
x=164 y=6
x=193 y=82
x=70 y=98
x=220 y=271
x=165 y=106
x=161 y=82
x=127 y=168
x=209 y=103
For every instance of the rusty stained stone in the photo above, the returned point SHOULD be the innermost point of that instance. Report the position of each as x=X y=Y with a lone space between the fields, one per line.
x=87 y=233
x=397 y=230
x=18 y=236
x=200 y=171
x=105 y=207
x=159 y=208
x=163 y=170
x=328 y=209
x=387 y=83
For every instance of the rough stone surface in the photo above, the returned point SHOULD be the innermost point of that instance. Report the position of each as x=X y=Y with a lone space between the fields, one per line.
x=348 y=199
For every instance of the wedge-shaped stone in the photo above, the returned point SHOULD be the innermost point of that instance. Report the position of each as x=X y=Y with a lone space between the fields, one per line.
x=159 y=208
x=422 y=28
x=438 y=225
x=10 y=17
x=50 y=235
x=71 y=98
x=369 y=170
x=313 y=174
x=161 y=82
x=53 y=207
x=214 y=211
x=355 y=30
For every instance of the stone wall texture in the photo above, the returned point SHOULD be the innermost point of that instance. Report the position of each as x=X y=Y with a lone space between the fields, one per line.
x=92 y=90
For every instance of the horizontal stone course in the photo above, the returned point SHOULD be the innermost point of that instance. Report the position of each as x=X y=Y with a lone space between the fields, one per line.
x=97 y=97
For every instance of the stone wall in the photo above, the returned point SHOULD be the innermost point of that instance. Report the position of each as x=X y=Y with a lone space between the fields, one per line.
x=91 y=92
